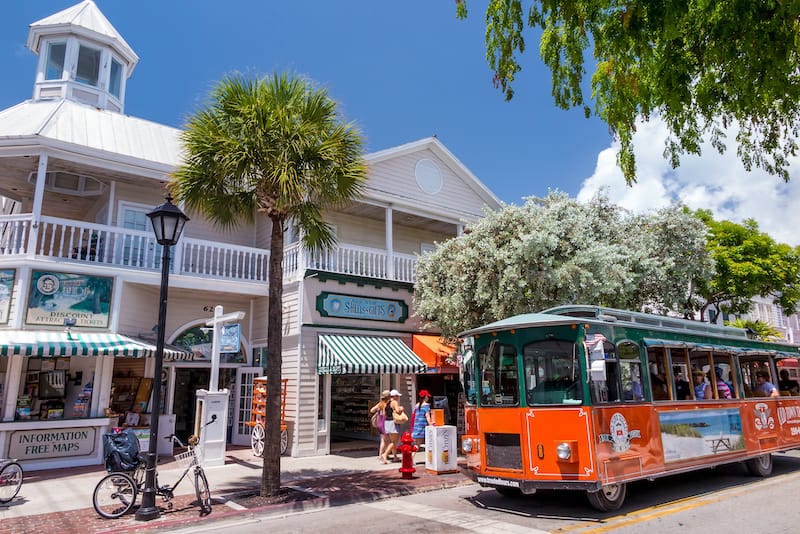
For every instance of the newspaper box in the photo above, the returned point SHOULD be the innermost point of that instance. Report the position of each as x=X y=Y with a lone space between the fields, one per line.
x=441 y=449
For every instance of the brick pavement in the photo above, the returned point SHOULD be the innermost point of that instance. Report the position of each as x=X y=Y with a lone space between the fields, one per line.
x=326 y=491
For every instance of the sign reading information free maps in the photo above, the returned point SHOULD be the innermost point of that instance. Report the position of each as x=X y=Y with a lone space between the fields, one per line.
x=356 y=307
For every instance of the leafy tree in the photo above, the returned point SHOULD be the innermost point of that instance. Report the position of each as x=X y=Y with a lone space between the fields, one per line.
x=747 y=263
x=701 y=66
x=555 y=251
x=757 y=329
x=276 y=147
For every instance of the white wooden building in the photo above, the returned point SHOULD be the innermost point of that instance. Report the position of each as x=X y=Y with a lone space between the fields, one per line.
x=77 y=177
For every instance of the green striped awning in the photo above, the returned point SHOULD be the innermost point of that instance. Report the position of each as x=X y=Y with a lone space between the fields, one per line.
x=366 y=355
x=52 y=343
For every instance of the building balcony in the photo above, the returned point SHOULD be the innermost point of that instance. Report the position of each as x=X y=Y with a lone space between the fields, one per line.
x=70 y=241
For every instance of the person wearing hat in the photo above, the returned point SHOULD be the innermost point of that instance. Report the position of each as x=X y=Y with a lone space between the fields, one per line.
x=421 y=417
x=702 y=389
x=380 y=410
x=391 y=427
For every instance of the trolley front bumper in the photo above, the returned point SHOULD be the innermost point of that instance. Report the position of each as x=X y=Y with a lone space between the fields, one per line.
x=529 y=486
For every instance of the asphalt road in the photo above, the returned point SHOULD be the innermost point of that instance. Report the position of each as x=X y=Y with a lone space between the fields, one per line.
x=724 y=500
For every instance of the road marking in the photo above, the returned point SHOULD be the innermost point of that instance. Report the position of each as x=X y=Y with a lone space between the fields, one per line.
x=466 y=521
x=673 y=507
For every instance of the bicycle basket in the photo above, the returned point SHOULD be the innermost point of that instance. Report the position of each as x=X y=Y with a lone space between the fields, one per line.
x=188 y=458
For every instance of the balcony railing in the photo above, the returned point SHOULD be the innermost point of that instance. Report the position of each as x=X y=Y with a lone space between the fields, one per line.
x=352 y=260
x=112 y=246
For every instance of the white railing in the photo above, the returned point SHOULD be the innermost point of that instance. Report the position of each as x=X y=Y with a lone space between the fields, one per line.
x=350 y=259
x=113 y=246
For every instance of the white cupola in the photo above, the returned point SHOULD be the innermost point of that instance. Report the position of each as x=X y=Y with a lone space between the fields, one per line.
x=82 y=57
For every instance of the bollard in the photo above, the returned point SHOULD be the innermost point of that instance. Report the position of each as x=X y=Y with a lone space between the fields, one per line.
x=407 y=449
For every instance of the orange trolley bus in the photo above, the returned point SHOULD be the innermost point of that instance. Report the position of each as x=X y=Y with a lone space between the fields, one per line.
x=590 y=398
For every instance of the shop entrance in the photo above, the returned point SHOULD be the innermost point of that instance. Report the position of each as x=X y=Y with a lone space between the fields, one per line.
x=445 y=389
x=187 y=382
x=351 y=398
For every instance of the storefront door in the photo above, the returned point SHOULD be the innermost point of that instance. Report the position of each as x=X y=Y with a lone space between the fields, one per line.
x=243 y=400
x=187 y=382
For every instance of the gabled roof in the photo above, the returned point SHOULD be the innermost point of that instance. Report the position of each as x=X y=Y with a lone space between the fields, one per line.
x=433 y=144
x=84 y=19
x=92 y=132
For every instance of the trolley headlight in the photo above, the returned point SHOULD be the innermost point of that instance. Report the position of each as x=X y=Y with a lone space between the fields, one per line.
x=564 y=451
x=466 y=445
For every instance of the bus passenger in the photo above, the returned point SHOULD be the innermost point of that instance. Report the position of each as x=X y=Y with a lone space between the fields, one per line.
x=787 y=384
x=702 y=389
x=681 y=385
x=765 y=388
x=723 y=388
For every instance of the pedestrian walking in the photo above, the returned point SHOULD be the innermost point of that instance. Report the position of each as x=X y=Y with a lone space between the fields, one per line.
x=392 y=408
x=379 y=422
x=421 y=418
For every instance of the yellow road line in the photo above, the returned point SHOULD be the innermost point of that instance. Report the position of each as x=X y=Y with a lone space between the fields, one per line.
x=672 y=507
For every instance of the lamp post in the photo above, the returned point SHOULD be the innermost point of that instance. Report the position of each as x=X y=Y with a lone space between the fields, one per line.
x=168 y=223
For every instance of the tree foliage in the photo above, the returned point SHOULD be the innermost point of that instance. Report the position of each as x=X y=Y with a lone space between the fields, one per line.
x=556 y=250
x=276 y=147
x=747 y=263
x=757 y=329
x=702 y=66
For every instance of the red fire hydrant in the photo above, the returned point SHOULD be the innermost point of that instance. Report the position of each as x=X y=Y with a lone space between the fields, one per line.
x=407 y=449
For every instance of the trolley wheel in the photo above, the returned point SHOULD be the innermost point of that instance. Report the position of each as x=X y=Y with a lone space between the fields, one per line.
x=284 y=441
x=761 y=466
x=257 y=439
x=114 y=495
x=10 y=481
x=608 y=498
x=202 y=491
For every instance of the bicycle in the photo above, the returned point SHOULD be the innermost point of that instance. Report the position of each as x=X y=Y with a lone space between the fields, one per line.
x=10 y=479
x=116 y=493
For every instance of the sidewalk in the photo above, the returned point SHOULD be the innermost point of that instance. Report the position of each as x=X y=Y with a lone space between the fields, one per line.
x=61 y=500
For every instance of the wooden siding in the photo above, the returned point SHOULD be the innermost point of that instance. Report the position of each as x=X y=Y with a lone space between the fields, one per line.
x=396 y=177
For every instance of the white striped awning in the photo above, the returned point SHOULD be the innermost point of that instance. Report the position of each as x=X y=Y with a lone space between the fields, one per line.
x=366 y=355
x=51 y=344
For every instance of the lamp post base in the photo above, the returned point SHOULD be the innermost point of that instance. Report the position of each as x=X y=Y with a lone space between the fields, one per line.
x=148 y=510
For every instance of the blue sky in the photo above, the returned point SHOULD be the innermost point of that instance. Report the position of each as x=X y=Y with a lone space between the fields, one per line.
x=403 y=71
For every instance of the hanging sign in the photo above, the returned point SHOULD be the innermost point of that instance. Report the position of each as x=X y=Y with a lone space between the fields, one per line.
x=229 y=338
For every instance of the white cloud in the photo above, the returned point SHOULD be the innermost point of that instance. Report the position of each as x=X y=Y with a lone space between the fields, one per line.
x=711 y=181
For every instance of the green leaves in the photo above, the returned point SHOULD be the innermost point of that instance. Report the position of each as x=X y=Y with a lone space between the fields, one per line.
x=700 y=66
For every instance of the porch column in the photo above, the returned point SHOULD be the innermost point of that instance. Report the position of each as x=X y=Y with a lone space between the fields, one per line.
x=177 y=254
x=459 y=230
x=38 y=198
x=389 y=244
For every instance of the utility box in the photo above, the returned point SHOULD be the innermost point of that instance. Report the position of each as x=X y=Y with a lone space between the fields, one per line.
x=441 y=449
x=211 y=426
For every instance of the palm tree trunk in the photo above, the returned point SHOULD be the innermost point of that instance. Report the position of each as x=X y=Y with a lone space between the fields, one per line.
x=271 y=472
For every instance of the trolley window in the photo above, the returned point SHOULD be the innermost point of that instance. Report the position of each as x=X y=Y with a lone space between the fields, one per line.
x=552 y=373
x=499 y=375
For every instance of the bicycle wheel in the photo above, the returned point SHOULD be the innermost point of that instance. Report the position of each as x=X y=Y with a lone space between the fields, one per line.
x=201 y=488
x=138 y=474
x=114 y=495
x=10 y=481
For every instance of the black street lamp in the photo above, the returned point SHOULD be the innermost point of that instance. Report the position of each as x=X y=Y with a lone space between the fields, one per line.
x=168 y=223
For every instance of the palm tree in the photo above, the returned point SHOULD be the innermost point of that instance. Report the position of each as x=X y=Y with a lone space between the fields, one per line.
x=757 y=329
x=277 y=147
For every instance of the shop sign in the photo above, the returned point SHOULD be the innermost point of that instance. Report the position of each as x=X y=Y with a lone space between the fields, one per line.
x=54 y=297
x=356 y=307
x=6 y=288
x=229 y=338
x=52 y=443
